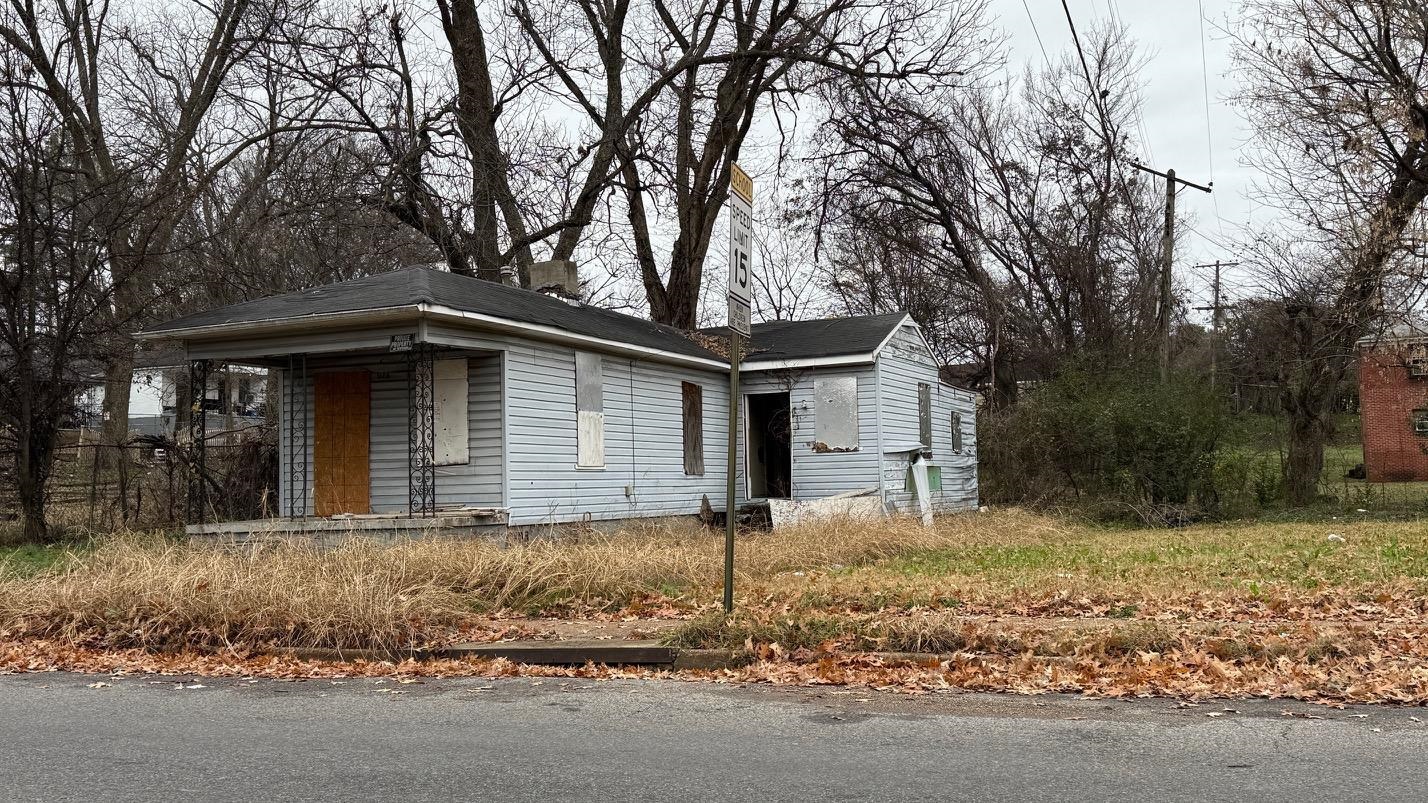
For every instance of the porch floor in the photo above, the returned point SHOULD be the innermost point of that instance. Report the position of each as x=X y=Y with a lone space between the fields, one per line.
x=444 y=524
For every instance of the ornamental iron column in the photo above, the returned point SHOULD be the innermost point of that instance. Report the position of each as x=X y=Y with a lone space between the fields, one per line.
x=295 y=402
x=197 y=442
x=421 y=431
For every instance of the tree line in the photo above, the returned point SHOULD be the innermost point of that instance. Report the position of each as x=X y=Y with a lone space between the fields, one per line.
x=157 y=158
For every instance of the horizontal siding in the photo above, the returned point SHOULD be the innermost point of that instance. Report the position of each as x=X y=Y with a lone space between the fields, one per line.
x=644 y=452
x=902 y=365
x=523 y=444
x=819 y=474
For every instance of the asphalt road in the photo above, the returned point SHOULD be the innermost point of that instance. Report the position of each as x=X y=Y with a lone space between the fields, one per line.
x=522 y=739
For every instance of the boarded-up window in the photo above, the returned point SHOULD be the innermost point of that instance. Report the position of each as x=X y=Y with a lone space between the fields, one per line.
x=589 y=411
x=934 y=479
x=836 y=414
x=693 y=401
x=449 y=393
x=957 y=432
x=924 y=414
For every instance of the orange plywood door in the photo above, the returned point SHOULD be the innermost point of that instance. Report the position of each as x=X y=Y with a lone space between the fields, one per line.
x=342 y=408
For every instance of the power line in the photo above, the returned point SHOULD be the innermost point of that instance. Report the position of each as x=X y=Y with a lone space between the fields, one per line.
x=1205 y=86
x=1209 y=129
x=1081 y=54
x=1115 y=13
x=1037 y=32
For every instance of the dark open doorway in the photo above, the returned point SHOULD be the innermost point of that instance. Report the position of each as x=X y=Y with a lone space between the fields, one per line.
x=767 y=436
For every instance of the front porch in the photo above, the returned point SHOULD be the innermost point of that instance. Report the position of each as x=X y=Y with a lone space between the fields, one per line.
x=398 y=442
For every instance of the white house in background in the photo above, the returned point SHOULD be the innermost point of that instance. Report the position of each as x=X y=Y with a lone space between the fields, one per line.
x=420 y=398
x=234 y=397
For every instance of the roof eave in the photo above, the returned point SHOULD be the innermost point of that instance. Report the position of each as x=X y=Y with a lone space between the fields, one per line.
x=273 y=326
x=292 y=325
x=553 y=334
x=775 y=364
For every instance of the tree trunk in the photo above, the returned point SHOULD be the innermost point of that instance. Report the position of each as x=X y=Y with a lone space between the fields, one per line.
x=1303 y=469
x=38 y=436
x=1004 y=387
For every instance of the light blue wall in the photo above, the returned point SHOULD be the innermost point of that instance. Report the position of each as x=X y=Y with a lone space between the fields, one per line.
x=904 y=363
x=523 y=424
x=644 y=439
x=818 y=474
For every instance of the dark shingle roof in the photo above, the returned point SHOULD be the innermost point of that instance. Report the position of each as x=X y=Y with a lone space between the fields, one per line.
x=412 y=286
x=807 y=340
x=775 y=340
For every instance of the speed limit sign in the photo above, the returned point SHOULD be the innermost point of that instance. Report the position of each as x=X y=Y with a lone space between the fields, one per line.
x=741 y=247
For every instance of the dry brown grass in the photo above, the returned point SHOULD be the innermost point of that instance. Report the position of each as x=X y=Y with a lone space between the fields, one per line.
x=148 y=591
x=134 y=590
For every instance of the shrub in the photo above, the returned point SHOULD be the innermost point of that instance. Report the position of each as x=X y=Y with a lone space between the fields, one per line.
x=1100 y=436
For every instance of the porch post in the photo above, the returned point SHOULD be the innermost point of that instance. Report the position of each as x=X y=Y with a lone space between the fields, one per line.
x=197 y=442
x=421 y=431
x=295 y=388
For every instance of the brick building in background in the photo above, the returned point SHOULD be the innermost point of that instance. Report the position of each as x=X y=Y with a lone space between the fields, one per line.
x=1393 y=404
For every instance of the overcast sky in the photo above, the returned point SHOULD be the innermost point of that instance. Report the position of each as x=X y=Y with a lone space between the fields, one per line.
x=1179 y=133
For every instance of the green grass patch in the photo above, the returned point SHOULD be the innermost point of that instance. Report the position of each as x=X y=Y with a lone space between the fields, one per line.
x=28 y=560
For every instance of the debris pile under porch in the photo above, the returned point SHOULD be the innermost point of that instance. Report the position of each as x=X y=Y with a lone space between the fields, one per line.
x=466 y=522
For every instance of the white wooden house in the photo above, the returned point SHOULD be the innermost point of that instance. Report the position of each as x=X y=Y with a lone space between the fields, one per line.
x=421 y=399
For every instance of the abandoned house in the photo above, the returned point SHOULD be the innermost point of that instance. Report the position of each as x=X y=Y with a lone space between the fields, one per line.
x=421 y=399
x=1393 y=404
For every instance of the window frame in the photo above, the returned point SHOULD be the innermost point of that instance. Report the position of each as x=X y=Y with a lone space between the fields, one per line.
x=826 y=399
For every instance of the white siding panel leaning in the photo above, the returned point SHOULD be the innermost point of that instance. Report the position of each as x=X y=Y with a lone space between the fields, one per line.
x=589 y=410
x=836 y=413
x=450 y=381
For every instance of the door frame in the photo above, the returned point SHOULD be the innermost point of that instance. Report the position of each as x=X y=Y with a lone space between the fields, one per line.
x=748 y=453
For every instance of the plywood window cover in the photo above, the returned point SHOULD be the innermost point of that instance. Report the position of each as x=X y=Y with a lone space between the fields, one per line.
x=692 y=403
x=924 y=414
x=451 y=384
x=589 y=410
x=835 y=414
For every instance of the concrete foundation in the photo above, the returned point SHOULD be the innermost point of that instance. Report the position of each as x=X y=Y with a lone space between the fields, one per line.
x=333 y=530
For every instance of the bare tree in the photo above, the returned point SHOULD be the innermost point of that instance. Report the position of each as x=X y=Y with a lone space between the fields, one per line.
x=154 y=102
x=1012 y=226
x=56 y=289
x=1337 y=91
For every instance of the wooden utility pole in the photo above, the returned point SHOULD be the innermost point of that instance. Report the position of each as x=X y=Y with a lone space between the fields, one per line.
x=1216 y=310
x=1166 y=304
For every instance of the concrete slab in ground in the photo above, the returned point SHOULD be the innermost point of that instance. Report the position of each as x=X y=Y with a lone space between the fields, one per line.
x=587 y=629
x=566 y=651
